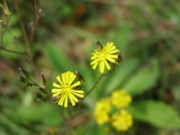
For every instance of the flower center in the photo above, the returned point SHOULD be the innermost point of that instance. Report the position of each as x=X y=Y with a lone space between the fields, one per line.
x=66 y=89
x=102 y=55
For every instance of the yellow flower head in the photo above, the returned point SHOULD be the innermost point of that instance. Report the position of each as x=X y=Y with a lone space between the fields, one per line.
x=101 y=112
x=103 y=56
x=101 y=117
x=66 y=89
x=103 y=105
x=120 y=99
x=122 y=120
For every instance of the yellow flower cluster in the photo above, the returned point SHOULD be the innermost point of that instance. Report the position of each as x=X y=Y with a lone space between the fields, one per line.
x=112 y=110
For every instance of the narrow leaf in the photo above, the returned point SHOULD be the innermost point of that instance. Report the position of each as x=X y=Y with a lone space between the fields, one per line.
x=144 y=79
x=120 y=75
x=155 y=113
x=58 y=58
x=1 y=5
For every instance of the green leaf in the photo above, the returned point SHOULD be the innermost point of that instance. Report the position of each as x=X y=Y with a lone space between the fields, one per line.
x=46 y=113
x=122 y=38
x=8 y=124
x=12 y=26
x=96 y=129
x=155 y=113
x=1 y=5
x=58 y=58
x=144 y=79
x=120 y=75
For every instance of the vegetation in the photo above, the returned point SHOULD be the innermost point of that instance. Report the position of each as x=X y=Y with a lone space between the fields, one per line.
x=43 y=39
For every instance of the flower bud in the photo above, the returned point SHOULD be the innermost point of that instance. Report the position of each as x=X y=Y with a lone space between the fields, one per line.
x=29 y=84
x=24 y=73
x=7 y=9
x=41 y=13
x=98 y=44
x=39 y=96
x=42 y=81
x=119 y=57
x=80 y=77
x=22 y=79
x=42 y=90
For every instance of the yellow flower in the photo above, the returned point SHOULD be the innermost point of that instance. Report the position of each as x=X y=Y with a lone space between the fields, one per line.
x=101 y=112
x=122 y=120
x=103 y=56
x=103 y=105
x=101 y=117
x=120 y=99
x=67 y=89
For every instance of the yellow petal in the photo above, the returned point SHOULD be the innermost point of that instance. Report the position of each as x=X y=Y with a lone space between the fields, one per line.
x=66 y=101
x=94 y=66
x=107 y=65
x=77 y=91
x=56 y=90
x=75 y=84
x=79 y=95
x=101 y=67
x=113 y=51
x=59 y=80
x=56 y=85
x=95 y=61
x=61 y=100
x=71 y=78
x=111 y=60
x=55 y=94
x=71 y=100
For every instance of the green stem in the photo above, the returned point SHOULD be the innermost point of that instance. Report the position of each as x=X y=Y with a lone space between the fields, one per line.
x=42 y=89
x=22 y=24
x=94 y=86
x=35 y=5
x=11 y=51
x=4 y=30
x=96 y=83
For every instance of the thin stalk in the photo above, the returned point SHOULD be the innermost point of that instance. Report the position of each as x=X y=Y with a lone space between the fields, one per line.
x=28 y=48
x=4 y=30
x=96 y=83
x=35 y=5
x=42 y=89
x=21 y=23
x=94 y=86
x=33 y=25
x=11 y=51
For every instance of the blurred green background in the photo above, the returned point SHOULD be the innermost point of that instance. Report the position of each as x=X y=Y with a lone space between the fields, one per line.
x=64 y=34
